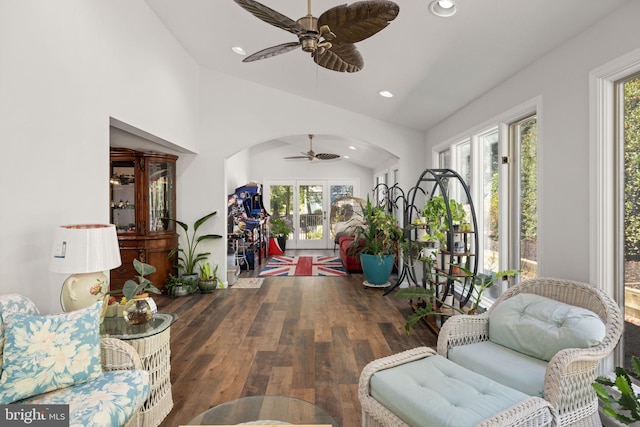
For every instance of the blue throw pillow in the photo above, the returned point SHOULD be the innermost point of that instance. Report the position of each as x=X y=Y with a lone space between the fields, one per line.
x=44 y=353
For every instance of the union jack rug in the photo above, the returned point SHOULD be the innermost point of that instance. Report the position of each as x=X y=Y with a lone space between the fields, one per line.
x=318 y=265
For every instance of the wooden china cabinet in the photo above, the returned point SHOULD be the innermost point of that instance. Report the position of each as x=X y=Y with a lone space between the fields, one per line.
x=143 y=198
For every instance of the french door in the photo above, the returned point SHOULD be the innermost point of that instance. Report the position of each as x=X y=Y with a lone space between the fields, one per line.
x=312 y=229
x=306 y=205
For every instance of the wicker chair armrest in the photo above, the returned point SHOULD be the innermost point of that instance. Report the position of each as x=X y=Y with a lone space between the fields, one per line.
x=569 y=378
x=530 y=412
x=117 y=355
x=463 y=329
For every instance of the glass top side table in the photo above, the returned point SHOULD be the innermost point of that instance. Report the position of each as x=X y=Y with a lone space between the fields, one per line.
x=151 y=341
x=270 y=410
x=117 y=327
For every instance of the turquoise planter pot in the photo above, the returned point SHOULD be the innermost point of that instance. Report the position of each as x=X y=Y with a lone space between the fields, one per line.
x=376 y=269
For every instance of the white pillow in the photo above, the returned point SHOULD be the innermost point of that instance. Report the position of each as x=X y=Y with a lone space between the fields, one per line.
x=540 y=326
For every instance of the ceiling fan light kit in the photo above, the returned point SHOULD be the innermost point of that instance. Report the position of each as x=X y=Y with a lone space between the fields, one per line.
x=330 y=38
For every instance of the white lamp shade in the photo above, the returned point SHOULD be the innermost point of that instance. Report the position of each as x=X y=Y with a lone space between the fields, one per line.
x=85 y=248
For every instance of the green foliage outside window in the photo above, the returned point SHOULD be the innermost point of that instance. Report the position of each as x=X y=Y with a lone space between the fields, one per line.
x=529 y=179
x=632 y=167
x=281 y=201
x=528 y=183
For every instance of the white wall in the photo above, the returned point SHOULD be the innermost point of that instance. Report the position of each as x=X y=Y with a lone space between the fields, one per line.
x=67 y=66
x=238 y=168
x=561 y=80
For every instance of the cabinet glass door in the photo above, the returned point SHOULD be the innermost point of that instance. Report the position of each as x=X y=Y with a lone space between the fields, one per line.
x=123 y=196
x=161 y=196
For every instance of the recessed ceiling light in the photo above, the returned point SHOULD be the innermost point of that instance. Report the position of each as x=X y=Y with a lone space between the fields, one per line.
x=386 y=94
x=443 y=8
x=351 y=147
x=345 y=157
x=238 y=50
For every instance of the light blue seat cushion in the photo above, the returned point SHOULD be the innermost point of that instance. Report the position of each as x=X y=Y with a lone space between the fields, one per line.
x=109 y=400
x=506 y=366
x=540 y=326
x=436 y=392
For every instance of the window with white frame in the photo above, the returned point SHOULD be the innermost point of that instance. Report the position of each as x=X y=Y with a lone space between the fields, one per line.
x=499 y=164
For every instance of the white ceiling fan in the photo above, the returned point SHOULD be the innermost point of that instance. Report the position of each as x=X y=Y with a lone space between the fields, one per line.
x=312 y=155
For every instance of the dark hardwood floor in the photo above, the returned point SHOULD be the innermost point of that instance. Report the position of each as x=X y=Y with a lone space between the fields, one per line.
x=305 y=337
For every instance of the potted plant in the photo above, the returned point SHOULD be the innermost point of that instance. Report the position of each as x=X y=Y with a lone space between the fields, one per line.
x=435 y=215
x=209 y=280
x=279 y=229
x=188 y=258
x=618 y=398
x=427 y=297
x=180 y=286
x=138 y=307
x=377 y=239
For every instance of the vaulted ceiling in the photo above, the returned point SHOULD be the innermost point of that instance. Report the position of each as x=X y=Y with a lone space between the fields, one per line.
x=433 y=66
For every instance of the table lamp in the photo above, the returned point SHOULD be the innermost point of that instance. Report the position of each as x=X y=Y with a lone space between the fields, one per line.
x=85 y=251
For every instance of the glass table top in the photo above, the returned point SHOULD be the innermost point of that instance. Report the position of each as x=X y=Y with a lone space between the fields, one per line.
x=117 y=327
x=279 y=409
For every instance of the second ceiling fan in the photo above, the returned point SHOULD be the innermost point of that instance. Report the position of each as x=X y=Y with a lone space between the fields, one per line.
x=312 y=155
x=330 y=38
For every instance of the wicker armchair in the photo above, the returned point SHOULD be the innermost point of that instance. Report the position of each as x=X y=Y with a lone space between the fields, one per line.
x=570 y=373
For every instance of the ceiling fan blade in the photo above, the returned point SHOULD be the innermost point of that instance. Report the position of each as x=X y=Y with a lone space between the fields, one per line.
x=272 y=51
x=270 y=16
x=343 y=57
x=358 y=21
x=326 y=156
x=298 y=157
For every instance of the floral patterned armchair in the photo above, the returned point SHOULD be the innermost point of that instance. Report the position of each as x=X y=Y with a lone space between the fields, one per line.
x=61 y=359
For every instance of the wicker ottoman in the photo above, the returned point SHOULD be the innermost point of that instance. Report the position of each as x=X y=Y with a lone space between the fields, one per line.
x=420 y=388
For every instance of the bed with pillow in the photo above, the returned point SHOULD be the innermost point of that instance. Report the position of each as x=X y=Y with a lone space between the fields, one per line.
x=61 y=359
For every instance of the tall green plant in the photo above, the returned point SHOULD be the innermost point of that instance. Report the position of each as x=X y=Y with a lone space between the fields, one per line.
x=379 y=234
x=188 y=258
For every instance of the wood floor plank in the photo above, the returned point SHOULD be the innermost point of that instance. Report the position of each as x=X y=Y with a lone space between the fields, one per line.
x=304 y=337
x=280 y=381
